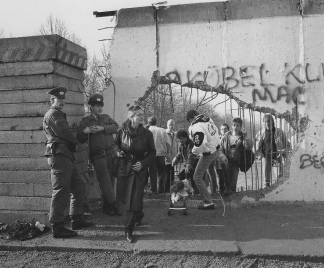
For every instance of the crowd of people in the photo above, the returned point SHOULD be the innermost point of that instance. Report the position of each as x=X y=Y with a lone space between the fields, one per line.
x=144 y=154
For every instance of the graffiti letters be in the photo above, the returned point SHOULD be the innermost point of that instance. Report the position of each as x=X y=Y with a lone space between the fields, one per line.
x=307 y=160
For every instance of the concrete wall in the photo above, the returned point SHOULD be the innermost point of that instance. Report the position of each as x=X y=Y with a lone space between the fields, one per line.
x=266 y=53
x=29 y=67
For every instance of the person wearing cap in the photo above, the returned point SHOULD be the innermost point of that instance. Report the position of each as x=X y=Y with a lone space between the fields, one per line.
x=98 y=129
x=68 y=187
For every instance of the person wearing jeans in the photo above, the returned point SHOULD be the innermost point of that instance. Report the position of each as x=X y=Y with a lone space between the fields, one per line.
x=204 y=134
x=169 y=168
x=162 y=146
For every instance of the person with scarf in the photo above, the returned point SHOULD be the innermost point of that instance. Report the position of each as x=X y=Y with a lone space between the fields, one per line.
x=134 y=146
x=271 y=144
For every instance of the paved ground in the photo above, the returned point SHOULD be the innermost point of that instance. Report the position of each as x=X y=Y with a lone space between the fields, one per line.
x=284 y=231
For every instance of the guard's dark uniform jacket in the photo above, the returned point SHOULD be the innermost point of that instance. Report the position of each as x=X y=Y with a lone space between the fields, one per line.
x=101 y=152
x=101 y=140
x=60 y=139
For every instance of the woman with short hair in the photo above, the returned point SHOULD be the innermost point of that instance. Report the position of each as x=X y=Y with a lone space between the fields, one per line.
x=135 y=149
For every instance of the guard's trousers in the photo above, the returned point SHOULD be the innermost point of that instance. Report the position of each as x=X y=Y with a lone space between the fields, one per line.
x=68 y=188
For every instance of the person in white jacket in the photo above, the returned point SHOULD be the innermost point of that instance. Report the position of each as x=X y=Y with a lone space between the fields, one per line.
x=204 y=134
x=162 y=145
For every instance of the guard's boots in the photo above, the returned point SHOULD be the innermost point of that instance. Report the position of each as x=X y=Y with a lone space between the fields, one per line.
x=59 y=231
x=78 y=222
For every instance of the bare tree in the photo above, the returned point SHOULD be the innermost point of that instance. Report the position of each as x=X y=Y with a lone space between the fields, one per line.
x=171 y=102
x=54 y=25
x=98 y=73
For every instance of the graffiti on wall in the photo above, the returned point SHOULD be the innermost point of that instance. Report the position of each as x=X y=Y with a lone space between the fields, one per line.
x=257 y=78
x=315 y=161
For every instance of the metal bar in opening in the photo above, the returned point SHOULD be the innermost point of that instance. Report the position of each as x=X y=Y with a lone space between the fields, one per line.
x=231 y=107
x=106 y=28
x=225 y=108
x=297 y=120
x=261 y=156
x=255 y=162
x=251 y=131
x=104 y=13
x=246 y=188
x=277 y=153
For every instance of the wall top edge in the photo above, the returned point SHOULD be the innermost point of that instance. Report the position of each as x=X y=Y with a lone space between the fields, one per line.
x=218 y=11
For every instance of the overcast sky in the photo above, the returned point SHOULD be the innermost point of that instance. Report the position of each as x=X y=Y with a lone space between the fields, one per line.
x=24 y=17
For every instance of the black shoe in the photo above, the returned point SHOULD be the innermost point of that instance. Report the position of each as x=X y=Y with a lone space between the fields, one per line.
x=59 y=231
x=110 y=209
x=78 y=222
x=139 y=220
x=129 y=237
x=115 y=209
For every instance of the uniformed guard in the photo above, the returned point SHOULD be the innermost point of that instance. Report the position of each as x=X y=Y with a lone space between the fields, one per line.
x=65 y=178
x=98 y=130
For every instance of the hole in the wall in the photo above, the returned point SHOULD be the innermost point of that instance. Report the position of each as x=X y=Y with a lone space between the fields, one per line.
x=166 y=98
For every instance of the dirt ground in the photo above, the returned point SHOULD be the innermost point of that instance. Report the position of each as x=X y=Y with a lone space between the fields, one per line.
x=242 y=223
x=36 y=259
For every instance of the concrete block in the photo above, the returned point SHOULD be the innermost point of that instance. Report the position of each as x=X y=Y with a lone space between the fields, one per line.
x=36 y=109
x=38 y=95
x=30 y=123
x=26 y=189
x=25 y=176
x=43 y=48
x=14 y=150
x=23 y=163
x=8 y=216
x=42 y=189
x=180 y=14
x=34 y=136
x=40 y=67
x=311 y=7
x=40 y=81
x=16 y=189
x=24 y=203
x=247 y=9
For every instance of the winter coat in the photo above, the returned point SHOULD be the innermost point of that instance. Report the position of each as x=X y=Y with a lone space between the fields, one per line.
x=57 y=132
x=138 y=145
x=240 y=145
x=99 y=141
x=173 y=146
x=185 y=154
x=280 y=138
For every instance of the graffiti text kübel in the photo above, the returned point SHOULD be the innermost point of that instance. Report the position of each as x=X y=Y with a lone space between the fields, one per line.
x=256 y=78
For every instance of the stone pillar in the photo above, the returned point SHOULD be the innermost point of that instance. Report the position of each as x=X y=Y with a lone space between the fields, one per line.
x=29 y=67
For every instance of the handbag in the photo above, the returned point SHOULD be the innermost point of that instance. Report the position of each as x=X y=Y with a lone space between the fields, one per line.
x=246 y=159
